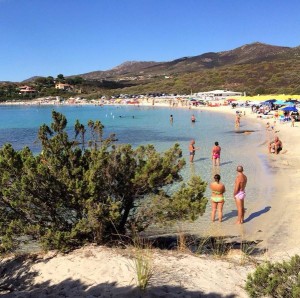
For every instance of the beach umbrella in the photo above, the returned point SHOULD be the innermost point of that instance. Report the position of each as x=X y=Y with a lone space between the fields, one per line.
x=231 y=99
x=294 y=101
x=255 y=102
x=269 y=101
x=289 y=109
x=266 y=103
x=279 y=102
x=290 y=104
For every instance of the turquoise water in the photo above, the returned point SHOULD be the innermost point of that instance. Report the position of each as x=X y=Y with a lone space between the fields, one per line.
x=143 y=125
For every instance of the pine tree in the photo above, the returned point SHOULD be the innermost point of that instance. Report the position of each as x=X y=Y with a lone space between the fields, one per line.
x=78 y=192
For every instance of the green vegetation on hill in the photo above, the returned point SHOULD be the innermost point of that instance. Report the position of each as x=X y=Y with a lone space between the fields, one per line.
x=255 y=69
x=281 y=77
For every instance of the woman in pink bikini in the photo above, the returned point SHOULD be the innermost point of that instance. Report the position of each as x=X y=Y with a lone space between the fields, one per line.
x=216 y=152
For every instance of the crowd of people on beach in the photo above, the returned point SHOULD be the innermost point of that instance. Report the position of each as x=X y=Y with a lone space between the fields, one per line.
x=218 y=188
x=274 y=146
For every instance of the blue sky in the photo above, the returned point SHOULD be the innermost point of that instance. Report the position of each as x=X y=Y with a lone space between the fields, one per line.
x=49 y=37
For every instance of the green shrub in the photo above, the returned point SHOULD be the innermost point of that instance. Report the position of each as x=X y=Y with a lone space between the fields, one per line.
x=275 y=280
x=80 y=191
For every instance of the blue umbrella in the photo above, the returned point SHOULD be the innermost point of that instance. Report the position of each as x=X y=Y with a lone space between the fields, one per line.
x=279 y=102
x=269 y=101
x=289 y=109
x=294 y=101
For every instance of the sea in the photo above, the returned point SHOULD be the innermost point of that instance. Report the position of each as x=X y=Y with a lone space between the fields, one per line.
x=141 y=125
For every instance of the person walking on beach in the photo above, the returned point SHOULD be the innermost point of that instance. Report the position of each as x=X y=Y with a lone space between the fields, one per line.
x=216 y=153
x=292 y=120
x=217 y=198
x=239 y=193
x=192 y=150
x=237 y=120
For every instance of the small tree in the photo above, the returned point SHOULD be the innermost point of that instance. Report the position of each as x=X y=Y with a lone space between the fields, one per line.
x=60 y=78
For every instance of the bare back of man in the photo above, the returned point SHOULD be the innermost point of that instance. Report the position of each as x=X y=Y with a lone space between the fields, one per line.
x=240 y=194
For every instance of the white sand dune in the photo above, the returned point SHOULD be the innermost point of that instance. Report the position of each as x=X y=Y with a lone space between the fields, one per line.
x=102 y=272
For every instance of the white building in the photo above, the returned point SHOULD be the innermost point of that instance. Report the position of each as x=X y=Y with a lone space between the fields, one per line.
x=217 y=94
x=62 y=86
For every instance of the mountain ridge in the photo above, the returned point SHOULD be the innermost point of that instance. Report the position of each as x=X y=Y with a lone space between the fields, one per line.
x=255 y=68
x=248 y=53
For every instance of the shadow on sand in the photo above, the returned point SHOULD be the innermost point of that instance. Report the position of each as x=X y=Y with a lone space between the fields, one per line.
x=201 y=159
x=17 y=281
x=231 y=214
x=225 y=163
x=257 y=213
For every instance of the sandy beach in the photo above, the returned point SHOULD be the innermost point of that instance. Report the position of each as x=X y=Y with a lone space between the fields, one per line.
x=95 y=271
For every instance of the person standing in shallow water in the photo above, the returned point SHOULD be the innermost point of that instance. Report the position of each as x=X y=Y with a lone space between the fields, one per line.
x=239 y=193
x=192 y=150
x=217 y=198
x=216 y=153
x=171 y=119
x=237 y=120
x=193 y=118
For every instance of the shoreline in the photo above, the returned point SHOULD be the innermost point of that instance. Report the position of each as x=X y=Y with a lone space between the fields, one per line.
x=279 y=226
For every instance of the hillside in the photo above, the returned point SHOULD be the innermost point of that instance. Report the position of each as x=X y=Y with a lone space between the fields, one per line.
x=250 y=53
x=127 y=68
x=255 y=68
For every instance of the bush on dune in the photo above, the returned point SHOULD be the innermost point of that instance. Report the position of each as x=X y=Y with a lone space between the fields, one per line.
x=275 y=280
x=75 y=192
